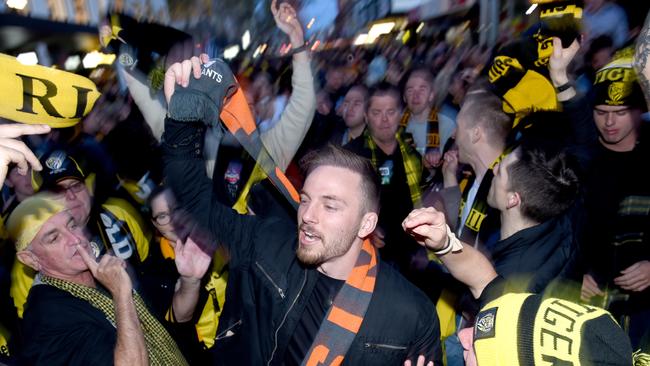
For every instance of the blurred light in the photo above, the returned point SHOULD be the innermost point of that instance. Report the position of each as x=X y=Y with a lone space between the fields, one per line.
x=231 y=52
x=406 y=36
x=531 y=9
x=315 y=45
x=311 y=22
x=380 y=28
x=419 y=28
x=361 y=39
x=259 y=50
x=28 y=58
x=246 y=40
x=17 y=4
x=72 y=62
x=95 y=58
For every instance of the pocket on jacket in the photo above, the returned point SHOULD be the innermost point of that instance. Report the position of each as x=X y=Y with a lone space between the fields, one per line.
x=382 y=351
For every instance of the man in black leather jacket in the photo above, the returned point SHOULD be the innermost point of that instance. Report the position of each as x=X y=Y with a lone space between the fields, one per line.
x=284 y=281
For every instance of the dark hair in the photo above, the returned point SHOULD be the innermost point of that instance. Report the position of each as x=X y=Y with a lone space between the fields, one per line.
x=335 y=156
x=546 y=182
x=384 y=89
x=483 y=107
x=155 y=193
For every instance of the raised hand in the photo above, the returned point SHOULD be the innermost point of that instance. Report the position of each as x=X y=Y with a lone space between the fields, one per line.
x=450 y=168
x=286 y=19
x=179 y=74
x=110 y=272
x=191 y=261
x=560 y=60
x=15 y=151
x=432 y=159
x=428 y=227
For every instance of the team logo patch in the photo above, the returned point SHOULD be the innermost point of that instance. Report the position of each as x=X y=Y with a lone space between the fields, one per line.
x=55 y=161
x=617 y=92
x=485 y=324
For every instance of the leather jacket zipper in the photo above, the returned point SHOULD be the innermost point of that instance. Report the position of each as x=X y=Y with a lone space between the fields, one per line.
x=278 y=288
x=385 y=346
x=277 y=330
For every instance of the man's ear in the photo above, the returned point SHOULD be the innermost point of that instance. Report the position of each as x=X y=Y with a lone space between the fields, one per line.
x=29 y=259
x=514 y=200
x=368 y=224
x=476 y=134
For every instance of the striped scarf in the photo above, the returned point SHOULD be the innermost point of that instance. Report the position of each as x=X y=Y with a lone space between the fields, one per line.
x=411 y=160
x=161 y=347
x=433 y=128
x=344 y=318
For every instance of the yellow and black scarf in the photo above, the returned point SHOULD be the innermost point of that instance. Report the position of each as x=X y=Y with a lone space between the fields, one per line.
x=480 y=207
x=38 y=94
x=161 y=347
x=433 y=128
x=344 y=318
x=411 y=160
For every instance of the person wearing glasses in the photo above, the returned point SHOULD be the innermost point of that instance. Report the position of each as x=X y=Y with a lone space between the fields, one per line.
x=191 y=285
x=114 y=225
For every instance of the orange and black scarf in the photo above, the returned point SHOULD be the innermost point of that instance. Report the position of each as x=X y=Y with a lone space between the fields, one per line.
x=344 y=318
x=433 y=128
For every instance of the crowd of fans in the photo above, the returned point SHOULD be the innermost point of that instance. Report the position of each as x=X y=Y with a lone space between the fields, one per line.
x=436 y=204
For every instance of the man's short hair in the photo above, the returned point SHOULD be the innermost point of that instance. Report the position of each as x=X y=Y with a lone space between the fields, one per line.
x=547 y=182
x=422 y=72
x=361 y=89
x=385 y=89
x=484 y=108
x=336 y=156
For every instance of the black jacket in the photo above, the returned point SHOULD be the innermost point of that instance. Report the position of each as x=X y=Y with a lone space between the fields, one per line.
x=268 y=287
x=534 y=257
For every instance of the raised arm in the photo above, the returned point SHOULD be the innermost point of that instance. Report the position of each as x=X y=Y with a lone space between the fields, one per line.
x=642 y=59
x=428 y=227
x=574 y=105
x=283 y=140
x=191 y=106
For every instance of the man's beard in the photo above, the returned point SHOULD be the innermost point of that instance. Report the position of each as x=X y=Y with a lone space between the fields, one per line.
x=328 y=248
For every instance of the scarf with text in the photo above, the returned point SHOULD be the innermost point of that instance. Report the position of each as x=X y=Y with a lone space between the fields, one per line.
x=433 y=129
x=344 y=318
x=37 y=94
x=161 y=348
x=480 y=207
x=411 y=160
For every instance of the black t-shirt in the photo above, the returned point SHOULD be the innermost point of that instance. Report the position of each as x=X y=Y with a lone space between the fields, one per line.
x=319 y=303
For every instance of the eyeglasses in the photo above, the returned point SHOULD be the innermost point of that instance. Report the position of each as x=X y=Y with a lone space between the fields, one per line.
x=163 y=218
x=75 y=187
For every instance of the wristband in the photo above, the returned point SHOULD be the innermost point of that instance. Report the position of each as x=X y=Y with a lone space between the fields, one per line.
x=564 y=87
x=298 y=50
x=453 y=244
